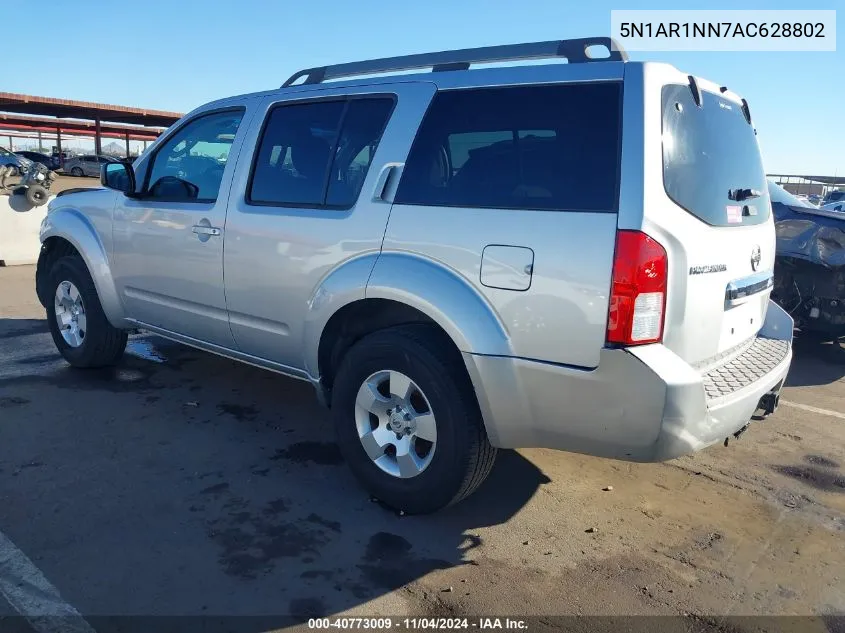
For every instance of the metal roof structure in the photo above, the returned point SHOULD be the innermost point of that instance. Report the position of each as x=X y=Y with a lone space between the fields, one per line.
x=44 y=124
x=29 y=113
x=823 y=180
x=801 y=184
x=69 y=108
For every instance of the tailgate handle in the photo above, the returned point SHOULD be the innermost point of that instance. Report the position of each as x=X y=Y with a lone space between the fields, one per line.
x=739 y=290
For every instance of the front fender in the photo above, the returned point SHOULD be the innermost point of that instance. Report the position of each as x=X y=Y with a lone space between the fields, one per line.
x=445 y=297
x=72 y=225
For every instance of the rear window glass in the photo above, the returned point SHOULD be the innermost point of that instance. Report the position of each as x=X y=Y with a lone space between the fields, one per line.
x=709 y=154
x=538 y=147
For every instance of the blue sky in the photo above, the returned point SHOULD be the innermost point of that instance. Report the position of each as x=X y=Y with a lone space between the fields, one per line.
x=175 y=55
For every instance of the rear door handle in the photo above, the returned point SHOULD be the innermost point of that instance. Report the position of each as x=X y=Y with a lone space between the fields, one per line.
x=201 y=229
x=386 y=182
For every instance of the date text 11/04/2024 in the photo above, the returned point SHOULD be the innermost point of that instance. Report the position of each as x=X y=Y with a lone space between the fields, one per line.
x=412 y=624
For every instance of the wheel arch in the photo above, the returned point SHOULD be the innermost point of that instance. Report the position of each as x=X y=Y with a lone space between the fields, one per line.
x=66 y=231
x=406 y=289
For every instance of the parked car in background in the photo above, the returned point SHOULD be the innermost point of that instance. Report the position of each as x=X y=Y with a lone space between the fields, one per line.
x=86 y=165
x=19 y=164
x=836 y=195
x=810 y=262
x=37 y=157
x=478 y=260
x=61 y=159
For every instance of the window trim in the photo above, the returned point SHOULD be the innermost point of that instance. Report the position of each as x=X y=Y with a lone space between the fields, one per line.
x=346 y=99
x=144 y=193
x=618 y=180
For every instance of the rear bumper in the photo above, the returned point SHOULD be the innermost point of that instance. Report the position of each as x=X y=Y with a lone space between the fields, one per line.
x=640 y=404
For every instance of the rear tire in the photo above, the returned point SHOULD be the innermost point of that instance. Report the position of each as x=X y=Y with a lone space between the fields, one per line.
x=462 y=455
x=80 y=329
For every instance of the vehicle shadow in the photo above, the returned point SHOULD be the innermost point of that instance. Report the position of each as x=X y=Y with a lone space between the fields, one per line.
x=11 y=328
x=214 y=489
x=816 y=361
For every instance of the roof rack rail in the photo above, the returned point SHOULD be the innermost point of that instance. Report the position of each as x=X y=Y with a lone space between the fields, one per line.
x=574 y=50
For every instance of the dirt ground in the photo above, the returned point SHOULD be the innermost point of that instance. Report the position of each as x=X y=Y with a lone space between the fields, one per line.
x=186 y=484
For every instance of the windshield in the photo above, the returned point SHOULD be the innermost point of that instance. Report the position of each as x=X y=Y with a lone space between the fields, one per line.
x=711 y=160
x=779 y=194
x=5 y=152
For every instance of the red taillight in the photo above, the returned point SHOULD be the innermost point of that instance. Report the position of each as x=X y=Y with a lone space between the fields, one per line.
x=638 y=290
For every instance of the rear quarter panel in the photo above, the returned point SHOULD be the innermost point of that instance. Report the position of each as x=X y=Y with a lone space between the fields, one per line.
x=561 y=317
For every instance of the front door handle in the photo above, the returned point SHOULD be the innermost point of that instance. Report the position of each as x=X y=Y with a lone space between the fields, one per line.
x=201 y=229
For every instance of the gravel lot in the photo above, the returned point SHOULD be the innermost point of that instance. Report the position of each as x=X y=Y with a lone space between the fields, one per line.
x=181 y=483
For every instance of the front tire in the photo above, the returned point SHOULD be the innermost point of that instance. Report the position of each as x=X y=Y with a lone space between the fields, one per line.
x=78 y=325
x=407 y=420
x=76 y=171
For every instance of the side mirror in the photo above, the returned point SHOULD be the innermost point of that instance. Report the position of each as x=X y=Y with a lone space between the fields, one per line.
x=118 y=176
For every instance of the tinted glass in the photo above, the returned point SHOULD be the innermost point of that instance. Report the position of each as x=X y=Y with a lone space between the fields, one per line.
x=709 y=152
x=360 y=134
x=182 y=169
x=538 y=147
x=295 y=152
x=318 y=154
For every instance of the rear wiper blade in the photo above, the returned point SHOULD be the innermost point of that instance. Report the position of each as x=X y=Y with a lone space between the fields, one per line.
x=743 y=194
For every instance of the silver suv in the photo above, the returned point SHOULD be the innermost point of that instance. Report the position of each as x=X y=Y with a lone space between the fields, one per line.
x=574 y=256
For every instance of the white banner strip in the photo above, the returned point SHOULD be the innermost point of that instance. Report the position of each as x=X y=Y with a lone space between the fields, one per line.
x=724 y=30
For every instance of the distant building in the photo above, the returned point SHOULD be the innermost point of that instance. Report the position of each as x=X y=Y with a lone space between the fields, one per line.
x=808 y=185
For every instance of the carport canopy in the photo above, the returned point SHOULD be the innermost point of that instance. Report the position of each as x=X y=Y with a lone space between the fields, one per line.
x=146 y=124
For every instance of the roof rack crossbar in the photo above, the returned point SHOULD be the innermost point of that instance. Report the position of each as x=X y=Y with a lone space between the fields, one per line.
x=574 y=50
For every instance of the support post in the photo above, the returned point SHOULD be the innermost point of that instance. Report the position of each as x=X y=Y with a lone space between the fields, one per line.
x=127 y=145
x=98 y=140
x=59 y=146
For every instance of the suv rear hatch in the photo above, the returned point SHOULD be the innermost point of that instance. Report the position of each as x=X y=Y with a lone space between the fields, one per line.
x=707 y=203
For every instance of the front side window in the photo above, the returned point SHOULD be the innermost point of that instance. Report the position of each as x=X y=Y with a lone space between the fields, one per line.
x=189 y=165
x=317 y=154
x=536 y=147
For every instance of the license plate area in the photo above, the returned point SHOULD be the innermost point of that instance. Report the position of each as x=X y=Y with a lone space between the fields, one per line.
x=742 y=321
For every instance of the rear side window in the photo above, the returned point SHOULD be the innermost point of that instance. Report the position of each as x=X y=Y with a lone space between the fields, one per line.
x=318 y=154
x=539 y=147
x=710 y=153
